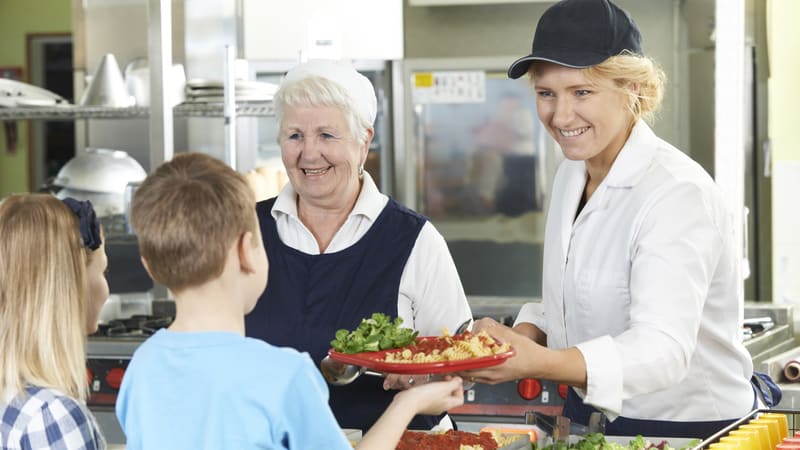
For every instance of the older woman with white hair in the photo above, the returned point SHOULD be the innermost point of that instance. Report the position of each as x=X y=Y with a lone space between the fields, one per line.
x=339 y=249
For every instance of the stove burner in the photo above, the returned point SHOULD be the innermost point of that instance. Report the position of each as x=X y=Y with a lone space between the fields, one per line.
x=137 y=325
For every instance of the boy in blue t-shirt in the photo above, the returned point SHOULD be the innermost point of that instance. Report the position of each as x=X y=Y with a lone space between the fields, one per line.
x=201 y=383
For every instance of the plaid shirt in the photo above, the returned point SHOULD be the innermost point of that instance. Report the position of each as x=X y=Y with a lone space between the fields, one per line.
x=44 y=418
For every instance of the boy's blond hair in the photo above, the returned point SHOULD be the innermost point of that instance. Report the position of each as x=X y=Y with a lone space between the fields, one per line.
x=187 y=214
x=42 y=297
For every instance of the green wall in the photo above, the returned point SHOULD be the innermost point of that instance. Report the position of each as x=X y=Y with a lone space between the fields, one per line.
x=17 y=19
x=784 y=41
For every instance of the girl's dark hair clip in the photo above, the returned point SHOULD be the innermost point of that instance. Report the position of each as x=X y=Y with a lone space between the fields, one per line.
x=89 y=224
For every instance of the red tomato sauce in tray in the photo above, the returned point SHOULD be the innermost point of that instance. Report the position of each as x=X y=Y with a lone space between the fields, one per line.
x=449 y=440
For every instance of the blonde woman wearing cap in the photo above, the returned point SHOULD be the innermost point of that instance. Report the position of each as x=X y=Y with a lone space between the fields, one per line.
x=639 y=313
x=339 y=249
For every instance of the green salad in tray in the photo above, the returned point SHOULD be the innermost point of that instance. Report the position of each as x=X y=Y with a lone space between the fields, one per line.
x=598 y=441
x=379 y=332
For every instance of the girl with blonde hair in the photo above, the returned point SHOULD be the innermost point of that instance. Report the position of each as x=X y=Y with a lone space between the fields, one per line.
x=52 y=287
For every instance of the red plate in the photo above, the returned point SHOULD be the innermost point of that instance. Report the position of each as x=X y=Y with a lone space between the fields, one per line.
x=375 y=361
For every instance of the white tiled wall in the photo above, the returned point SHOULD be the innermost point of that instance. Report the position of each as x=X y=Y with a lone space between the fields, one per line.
x=786 y=231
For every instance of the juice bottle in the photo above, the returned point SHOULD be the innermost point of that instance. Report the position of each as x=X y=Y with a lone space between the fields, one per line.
x=742 y=442
x=754 y=436
x=783 y=424
x=763 y=431
x=773 y=426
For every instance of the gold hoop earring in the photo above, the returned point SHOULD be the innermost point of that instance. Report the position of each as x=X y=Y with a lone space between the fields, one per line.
x=361 y=170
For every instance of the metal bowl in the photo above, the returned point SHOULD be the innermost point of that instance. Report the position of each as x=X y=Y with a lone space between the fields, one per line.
x=100 y=170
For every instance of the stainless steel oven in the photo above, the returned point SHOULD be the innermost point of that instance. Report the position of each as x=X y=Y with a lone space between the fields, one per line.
x=471 y=155
x=476 y=160
x=108 y=353
x=106 y=361
x=130 y=315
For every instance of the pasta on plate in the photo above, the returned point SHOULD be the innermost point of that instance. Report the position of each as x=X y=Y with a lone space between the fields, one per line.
x=448 y=348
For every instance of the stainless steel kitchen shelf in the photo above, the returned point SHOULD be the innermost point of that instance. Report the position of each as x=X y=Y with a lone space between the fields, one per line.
x=260 y=109
x=73 y=112
x=255 y=109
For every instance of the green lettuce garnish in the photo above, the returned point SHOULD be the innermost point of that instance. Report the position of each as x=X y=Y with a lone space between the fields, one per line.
x=378 y=332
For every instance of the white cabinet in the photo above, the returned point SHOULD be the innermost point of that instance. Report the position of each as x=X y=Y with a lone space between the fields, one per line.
x=470 y=2
x=348 y=29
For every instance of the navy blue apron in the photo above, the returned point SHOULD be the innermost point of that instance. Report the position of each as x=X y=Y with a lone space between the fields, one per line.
x=579 y=412
x=309 y=297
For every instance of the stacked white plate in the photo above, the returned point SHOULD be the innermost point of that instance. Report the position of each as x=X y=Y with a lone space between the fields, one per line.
x=19 y=94
x=212 y=91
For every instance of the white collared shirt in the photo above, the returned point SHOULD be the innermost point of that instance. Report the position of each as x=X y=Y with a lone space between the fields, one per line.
x=643 y=283
x=431 y=296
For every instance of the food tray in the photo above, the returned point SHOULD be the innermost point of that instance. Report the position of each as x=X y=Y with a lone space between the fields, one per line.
x=546 y=440
x=792 y=420
x=547 y=427
x=673 y=442
x=519 y=444
x=375 y=361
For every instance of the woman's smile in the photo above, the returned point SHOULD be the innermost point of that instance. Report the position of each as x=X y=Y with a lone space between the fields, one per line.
x=573 y=133
x=316 y=172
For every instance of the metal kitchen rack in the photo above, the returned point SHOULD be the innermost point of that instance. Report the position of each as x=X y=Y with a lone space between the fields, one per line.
x=72 y=112
x=251 y=109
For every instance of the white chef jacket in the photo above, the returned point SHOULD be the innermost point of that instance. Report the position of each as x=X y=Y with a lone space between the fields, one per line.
x=430 y=296
x=643 y=283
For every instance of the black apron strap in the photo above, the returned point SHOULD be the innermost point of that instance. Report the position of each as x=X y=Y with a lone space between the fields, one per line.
x=579 y=412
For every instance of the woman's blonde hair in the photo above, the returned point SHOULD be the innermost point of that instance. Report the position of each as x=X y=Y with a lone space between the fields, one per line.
x=626 y=70
x=633 y=70
x=42 y=297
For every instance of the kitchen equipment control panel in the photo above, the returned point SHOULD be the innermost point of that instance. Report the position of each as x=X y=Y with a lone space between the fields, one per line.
x=513 y=398
x=105 y=379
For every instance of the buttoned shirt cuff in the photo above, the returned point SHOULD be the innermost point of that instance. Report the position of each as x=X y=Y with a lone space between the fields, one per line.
x=603 y=375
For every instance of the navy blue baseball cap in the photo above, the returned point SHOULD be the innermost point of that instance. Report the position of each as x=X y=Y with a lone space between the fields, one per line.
x=579 y=34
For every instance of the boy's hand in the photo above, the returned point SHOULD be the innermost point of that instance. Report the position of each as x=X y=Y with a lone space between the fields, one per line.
x=434 y=397
x=403 y=382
